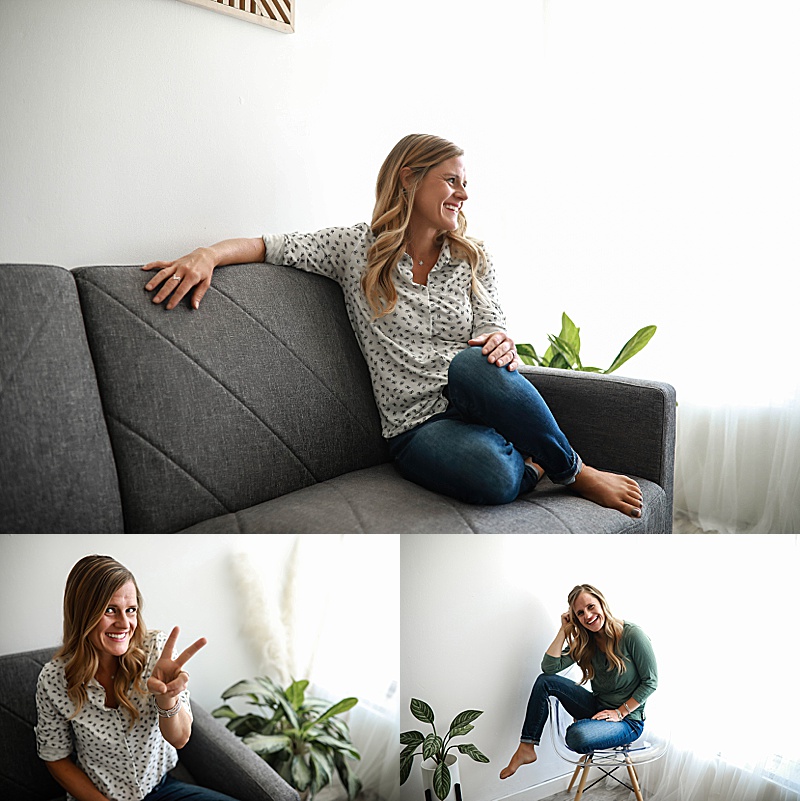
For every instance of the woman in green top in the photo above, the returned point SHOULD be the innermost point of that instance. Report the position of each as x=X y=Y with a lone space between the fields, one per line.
x=616 y=656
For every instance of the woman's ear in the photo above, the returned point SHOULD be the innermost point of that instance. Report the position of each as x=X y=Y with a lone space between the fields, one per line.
x=406 y=174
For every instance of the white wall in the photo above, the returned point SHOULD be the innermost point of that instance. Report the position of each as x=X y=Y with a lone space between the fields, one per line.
x=186 y=581
x=138 y=129
x=642 y=172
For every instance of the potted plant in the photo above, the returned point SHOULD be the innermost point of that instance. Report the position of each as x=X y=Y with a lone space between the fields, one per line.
x=300 y=737
x=434 y=748
x=565 y=349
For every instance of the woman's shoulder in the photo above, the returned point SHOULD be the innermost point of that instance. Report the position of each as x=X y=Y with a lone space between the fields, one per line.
x=632 y=632
x=52 y=672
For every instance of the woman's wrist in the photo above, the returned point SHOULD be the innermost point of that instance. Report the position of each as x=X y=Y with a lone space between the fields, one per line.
x=166 y=705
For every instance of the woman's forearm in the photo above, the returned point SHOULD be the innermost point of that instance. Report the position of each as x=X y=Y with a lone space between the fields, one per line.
x=626 y=708
x=557 y=646
x=74 y=780
x=237 y=251
x=177 y=729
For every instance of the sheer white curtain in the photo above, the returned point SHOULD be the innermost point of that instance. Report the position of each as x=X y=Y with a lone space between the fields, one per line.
x=326 y=608
x=726 y=677
x=666 y=192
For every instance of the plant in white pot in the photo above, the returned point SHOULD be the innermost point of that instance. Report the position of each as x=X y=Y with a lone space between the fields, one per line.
x=441 y=765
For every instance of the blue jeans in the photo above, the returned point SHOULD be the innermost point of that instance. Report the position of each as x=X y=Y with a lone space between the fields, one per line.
x=173 y=790
x=475 y=450
x=585 y=735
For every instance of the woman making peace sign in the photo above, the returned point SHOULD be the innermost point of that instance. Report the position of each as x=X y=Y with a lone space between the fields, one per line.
x=115 y=694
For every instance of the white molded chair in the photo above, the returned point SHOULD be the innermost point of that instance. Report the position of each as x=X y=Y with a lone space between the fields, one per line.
x=649 y=747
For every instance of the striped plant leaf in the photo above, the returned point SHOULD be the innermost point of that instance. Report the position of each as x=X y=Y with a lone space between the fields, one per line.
x=441 y=781
x=421 y=711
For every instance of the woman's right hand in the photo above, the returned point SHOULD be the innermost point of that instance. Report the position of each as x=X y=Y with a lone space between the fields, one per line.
x=178 y=278
x=566 y=621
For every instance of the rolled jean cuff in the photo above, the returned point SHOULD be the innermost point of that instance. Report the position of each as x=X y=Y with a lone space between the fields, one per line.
x=570 y=476
x=529 y=740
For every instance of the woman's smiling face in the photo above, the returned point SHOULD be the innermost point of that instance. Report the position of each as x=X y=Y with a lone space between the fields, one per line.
x=588 y=612
x=112 y=635
x=440 y=196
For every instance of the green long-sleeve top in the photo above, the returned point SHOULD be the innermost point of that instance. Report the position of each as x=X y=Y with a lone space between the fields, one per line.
x=610 y=687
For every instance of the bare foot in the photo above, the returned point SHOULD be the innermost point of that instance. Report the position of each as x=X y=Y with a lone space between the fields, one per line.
x=610 y=490
x=537 y=467
x=524 y=755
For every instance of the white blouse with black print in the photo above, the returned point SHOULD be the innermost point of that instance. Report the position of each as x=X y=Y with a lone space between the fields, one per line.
x=123 y=763
x=408 y=351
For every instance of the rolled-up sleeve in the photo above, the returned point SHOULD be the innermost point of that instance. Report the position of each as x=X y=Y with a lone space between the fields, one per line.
x=53 y=731
x=487 y=315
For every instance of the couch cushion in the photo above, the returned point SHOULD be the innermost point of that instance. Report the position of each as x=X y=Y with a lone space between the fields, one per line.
x=378 y=501
x=56 y=467
x=23 y=775
x=261 y=392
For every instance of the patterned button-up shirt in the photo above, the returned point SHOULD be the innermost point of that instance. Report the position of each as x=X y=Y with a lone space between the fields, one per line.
x=408 y=351
x=123 y=763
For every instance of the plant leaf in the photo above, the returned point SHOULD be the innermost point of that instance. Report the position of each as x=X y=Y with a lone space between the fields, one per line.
x=431 y=745
x=301 y=773
x=471 y=751
x=250 y=688
x=566 y=350
x=633 y=346
x=267 y=743
x=333 y=744
x=409 y=737
x=527 y=354
x=405 y=767
x=570 y=333
x=348 y=777
x=441 y=781
x=421 y=711
x=251 y=723
x=295 y=693
x=409 y=749
x=321 y=770
x=464 y=718
x=224 y=712
x=336 y=709
x=461 y=730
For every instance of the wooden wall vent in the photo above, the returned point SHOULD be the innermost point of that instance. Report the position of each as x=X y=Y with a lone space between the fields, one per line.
x=276 y=14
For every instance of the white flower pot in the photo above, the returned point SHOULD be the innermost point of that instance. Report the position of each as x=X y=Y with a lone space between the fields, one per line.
x=428 y=769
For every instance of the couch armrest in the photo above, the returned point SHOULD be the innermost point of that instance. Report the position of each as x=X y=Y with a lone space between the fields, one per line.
x=625 y=425
x=217 y=759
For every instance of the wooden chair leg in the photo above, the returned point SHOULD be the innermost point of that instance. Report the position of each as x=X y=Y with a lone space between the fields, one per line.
x=575 y=774
x=587 y=763
x=634 y=779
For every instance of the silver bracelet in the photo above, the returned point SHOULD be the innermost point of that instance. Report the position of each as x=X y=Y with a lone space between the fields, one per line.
x=626 y=707
x=168 y=713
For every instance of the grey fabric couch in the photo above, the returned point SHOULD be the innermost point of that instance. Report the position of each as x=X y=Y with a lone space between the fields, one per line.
x=255 y=414
x=213 y=757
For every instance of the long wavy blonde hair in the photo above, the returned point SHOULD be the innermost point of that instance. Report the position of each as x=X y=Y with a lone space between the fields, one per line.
x=91 y=584
x=583 y=644
x=392 y=214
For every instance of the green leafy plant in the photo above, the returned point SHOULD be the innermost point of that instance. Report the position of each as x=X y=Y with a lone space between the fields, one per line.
x=435 y=747
x=299 y=736
x=565 y=349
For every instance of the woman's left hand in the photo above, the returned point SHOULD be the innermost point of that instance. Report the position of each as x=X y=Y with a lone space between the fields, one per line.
x=498 y=348
x=608 y=714
x=168 y=679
